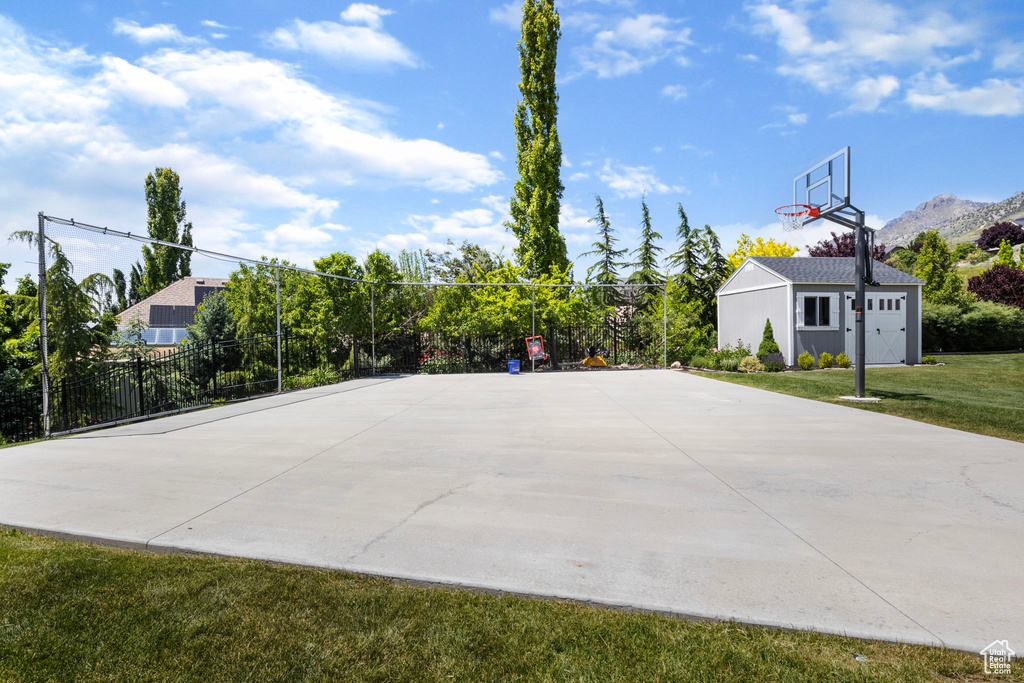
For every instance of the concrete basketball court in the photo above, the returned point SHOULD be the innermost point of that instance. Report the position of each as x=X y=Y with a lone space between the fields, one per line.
x=652 y=489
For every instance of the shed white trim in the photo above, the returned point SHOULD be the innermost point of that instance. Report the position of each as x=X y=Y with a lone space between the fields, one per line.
x=744 y=265
x=790 y=329
x=920 y=315
x=753 y=289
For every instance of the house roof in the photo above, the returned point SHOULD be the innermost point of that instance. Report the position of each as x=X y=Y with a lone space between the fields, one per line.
x=838 y=270
x=179 y=293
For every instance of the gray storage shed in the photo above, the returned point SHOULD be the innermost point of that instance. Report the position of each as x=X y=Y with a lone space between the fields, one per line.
x=810 y=303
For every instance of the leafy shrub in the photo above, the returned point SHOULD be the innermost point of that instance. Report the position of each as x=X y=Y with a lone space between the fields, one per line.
x=903 y=259
x=994 y=235
x=774 y=362
x=727 y=352
x=750 y=364
x=1003 y=284
x=843 y=361
x=701 y=362
x=729 y=364
x=929 y=360
x=805 y=360
x=962 y=251
x=314 y=378
x=978 y=256
x=768 y=343
x=984 y=326
x=825 y=360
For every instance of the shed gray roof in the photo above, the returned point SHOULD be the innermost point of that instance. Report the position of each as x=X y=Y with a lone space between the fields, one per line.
x=838 y=270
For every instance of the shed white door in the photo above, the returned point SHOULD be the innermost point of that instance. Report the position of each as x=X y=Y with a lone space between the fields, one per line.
x=885 y=317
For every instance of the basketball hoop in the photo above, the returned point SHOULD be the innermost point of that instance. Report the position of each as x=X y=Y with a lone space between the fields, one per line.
x=793 y=216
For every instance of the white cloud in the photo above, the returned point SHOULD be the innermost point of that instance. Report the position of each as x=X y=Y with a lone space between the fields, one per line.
x=857 y=48
x=72 y=142
x=676 y=92
x=210 y=23
x=1010 y=57
x=571 y=218
x=632 y=44
x=148 y=35
x=345 y=44
x=994 y=97
x=218 y=36
x=510 y=15
x=303 y=233
x=366 y=14
x=483 y=226
x=337 y=137
x=139 y=85
x=868 y=94
x=495 y=154
x=634 y=181
x=798 y=118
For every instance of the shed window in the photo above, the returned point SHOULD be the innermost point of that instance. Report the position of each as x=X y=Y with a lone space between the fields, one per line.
x=817 y=311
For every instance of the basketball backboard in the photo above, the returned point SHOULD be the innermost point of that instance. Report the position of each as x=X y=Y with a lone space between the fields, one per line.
x=826 y=185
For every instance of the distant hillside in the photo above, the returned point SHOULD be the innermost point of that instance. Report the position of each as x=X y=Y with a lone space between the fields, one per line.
x=957 y=220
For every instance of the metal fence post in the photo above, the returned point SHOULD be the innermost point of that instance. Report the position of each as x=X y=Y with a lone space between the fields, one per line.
x=44 y=352
x=142 y=392
x=533 y=321
x=373 y=334
x=664 y=328
x=277 y=292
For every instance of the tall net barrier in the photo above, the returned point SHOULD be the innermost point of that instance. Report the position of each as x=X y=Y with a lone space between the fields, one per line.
x=137 y=328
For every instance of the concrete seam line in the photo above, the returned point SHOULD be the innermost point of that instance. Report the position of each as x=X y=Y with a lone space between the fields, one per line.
x=300 y=464
x=229 y=417
x=768 y=514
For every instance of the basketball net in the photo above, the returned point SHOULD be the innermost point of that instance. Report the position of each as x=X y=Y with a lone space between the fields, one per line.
x=793 y=216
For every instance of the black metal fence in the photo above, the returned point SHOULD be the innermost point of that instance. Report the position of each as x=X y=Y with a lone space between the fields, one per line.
x=198 y=376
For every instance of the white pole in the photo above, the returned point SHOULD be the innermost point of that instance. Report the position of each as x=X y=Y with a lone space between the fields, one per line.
x=277 y=293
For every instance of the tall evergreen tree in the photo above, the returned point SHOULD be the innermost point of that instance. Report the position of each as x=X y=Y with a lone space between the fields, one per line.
x=162 y=265
x=646 y=263
x=687 y=256
x=536 y=199
x=606 y=270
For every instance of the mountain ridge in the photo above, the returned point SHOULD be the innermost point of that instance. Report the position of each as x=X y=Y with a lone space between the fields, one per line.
x=957 y=220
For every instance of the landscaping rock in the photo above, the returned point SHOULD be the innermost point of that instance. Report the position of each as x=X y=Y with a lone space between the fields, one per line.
x=676 y=364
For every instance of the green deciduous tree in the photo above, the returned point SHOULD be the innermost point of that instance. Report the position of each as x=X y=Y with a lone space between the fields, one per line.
x=942 y=282
x=166 y=221
x=536 y=198
x=1005 y=255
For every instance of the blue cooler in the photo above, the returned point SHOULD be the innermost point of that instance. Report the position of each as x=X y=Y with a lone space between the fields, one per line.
x=513 y=367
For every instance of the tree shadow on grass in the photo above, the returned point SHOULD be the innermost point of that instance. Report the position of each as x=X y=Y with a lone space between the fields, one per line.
x=898 y=395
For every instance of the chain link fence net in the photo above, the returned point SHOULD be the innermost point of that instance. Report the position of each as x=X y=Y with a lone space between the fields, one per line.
x=139 y=328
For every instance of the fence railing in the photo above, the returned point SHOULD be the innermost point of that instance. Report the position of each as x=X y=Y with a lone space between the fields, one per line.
x=196 y=376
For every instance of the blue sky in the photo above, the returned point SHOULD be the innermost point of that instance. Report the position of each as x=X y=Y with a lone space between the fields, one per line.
x=304 y=128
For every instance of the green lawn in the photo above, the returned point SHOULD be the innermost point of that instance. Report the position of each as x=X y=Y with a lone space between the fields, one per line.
x=978 y=393
x=71 y=611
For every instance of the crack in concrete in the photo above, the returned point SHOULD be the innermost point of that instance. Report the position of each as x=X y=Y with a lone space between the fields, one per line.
x=971 y=484
x=379 y=537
